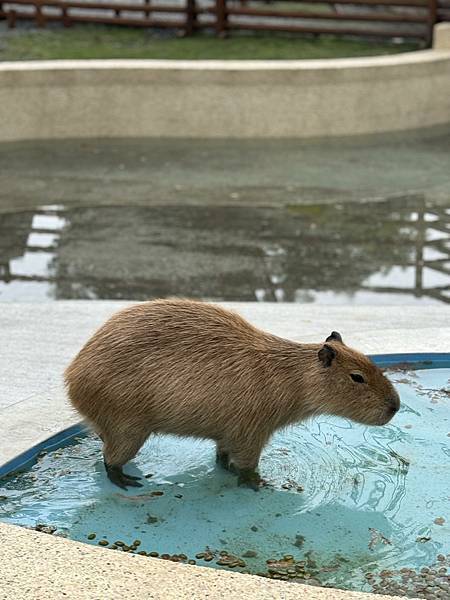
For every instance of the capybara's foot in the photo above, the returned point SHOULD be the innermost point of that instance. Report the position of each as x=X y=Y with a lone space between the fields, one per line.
x=249 y=478
x=121 y=479
x=223 y=459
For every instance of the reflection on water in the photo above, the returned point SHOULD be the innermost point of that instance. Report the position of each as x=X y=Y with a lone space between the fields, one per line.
x=344 y=499
x=390 y=251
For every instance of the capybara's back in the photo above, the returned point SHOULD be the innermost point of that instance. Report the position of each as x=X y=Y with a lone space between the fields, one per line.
x=195 y=369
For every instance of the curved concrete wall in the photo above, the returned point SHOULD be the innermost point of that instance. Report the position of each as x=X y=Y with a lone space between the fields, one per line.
x=118 y=98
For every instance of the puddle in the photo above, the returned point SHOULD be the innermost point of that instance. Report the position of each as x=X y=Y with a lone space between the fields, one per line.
x=355 y=507
x=359 y=220
x=383 y=252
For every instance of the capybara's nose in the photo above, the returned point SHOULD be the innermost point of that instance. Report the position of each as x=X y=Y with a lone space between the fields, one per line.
x=394 y=404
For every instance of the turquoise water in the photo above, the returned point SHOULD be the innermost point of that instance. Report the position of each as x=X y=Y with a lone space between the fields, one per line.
x=352 y=505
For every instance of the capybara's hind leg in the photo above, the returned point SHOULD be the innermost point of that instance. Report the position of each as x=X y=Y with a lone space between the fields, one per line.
x=118 y=452
x=119 y=478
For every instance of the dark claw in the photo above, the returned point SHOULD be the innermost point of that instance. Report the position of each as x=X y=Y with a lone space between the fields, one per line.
x=249 y=478
x=121 y=479
x=132 y=477
x=132 y=482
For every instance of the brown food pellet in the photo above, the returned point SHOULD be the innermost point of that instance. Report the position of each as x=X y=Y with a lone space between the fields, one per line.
x=222 y=562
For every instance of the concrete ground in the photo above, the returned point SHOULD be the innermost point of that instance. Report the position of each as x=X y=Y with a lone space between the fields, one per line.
x=274 y=173
x=38 y=341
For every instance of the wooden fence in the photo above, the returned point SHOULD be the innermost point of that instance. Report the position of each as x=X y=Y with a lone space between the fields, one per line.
x=403 y=19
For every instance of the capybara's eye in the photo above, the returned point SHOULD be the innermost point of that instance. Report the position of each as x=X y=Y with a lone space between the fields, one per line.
x=357 y=377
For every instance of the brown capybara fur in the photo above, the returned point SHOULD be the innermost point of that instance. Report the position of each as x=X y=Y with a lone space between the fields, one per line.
x=194 y=369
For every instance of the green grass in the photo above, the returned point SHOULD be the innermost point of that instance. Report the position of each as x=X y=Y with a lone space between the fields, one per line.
x=116 y=42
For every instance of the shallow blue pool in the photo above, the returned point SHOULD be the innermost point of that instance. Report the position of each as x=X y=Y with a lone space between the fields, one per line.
x=346 y=505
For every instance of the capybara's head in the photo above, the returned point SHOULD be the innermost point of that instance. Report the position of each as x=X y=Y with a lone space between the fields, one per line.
x=357 y=388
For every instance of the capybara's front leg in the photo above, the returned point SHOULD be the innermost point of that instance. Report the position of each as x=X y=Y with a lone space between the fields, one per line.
x=244 y=462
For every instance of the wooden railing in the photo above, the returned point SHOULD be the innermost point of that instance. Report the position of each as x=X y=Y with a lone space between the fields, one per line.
x=404 y=19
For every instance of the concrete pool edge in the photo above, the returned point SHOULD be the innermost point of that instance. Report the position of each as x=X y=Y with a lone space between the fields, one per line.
x=35 y=566
x=225 y=99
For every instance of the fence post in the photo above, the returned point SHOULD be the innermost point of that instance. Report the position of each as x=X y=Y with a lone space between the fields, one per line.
x=147 y=13
x=432 y=18
x=40 y=19
x=65 y=16
x=191 y=17
x=221 y=18
x=11 y=17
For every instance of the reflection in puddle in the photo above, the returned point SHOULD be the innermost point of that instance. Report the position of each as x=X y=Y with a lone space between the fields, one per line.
x=27 y=253
x=356 y=507
x=394 y=251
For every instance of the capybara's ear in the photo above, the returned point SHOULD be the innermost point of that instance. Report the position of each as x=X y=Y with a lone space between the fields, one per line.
x=326 y=355
x=334 y=337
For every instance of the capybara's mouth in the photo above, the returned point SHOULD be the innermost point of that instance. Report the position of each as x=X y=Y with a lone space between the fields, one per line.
x=386 y=417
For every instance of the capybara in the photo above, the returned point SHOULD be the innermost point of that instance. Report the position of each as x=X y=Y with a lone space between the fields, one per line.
x=195 y=369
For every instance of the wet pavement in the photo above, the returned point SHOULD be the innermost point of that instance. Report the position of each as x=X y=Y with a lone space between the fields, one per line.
x=362 y=220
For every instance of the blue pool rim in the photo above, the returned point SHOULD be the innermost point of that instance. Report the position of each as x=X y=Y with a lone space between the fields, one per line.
x=431 y=360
